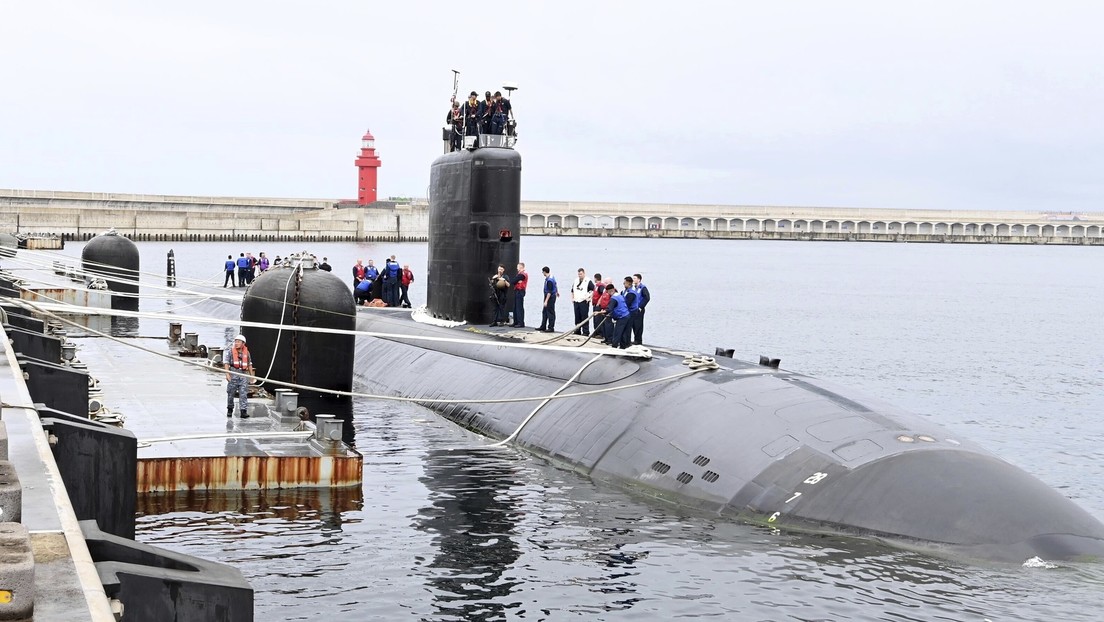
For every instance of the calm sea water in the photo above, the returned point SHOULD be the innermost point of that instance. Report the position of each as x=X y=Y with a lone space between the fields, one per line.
x=1001 y=344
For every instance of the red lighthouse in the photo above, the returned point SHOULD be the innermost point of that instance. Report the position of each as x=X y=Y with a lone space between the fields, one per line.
x=367 y=164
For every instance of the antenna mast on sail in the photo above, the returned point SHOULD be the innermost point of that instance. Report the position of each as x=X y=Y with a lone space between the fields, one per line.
x=450 y=130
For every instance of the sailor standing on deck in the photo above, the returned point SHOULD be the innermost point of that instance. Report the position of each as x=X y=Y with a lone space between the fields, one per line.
x=618 y=309
x=520 y=282
x=500 y=288
x=604 y=328
x=404 y=286
x=632 y=302
x=551 y=293
x=229 y=267
x=638 y=318
x=359 y=272
x=595 y=297
x=581 y=291
x=240 y=363
x=392 y=273
x=243 y=266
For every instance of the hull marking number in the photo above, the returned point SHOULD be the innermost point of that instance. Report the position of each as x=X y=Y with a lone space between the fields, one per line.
x=815 y=477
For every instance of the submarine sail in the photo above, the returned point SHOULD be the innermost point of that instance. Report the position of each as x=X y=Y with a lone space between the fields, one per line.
x=474 y=217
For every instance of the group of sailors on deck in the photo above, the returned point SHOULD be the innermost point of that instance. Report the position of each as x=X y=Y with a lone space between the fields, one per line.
x=491 y=115
x=618 y=317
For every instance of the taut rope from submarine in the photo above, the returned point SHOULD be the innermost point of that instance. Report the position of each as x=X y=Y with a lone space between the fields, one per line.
x=696 y=364
x=75 y=309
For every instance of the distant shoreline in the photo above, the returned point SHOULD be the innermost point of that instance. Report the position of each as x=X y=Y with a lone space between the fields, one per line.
x=82 y=215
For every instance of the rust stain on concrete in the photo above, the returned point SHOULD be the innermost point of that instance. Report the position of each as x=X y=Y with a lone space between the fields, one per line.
x=248 y=472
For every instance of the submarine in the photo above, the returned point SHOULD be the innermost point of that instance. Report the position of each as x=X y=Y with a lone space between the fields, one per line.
x=746 y=440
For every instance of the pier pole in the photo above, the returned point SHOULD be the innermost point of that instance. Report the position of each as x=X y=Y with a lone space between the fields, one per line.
x=170 y=269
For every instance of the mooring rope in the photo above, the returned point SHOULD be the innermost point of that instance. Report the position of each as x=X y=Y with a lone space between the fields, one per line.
x=471 y=400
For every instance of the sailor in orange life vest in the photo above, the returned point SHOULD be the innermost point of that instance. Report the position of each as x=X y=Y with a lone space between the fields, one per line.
x=238 y=361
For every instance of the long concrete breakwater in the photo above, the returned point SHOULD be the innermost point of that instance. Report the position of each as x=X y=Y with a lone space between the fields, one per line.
x=81 y=215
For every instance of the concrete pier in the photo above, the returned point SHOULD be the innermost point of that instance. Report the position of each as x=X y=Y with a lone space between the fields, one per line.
x=71 y=474
x=80 y=215
x=66 y=585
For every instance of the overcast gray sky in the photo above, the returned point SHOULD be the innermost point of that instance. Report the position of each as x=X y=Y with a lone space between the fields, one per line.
x=955 y=105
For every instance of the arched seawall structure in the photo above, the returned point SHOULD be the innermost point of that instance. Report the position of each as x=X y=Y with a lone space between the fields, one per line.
x=80 y=215
x=810 y=223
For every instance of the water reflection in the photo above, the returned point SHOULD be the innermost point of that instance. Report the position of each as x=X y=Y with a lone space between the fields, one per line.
x=99 y=323
x=124 y=327
x=474 y=516
x=324 y=505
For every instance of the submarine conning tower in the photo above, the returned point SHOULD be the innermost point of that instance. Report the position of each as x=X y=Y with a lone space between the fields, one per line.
x=116 y=258
x=474 y=220
x=296 y=293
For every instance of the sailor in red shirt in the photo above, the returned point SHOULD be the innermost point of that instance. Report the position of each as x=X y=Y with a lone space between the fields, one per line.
x=404 y=285
x=519 y=282
x=595 y=296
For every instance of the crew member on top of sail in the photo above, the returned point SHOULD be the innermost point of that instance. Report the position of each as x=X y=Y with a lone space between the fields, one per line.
x=472 y=111
x=455 y=119
x=500 y=112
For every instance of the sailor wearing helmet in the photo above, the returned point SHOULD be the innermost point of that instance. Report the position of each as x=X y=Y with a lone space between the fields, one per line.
x=240 y=363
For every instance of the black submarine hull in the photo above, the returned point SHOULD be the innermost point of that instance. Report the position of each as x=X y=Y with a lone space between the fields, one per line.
x=752 y=442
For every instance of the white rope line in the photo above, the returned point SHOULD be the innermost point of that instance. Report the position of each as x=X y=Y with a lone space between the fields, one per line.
x=51 y=262
x=191 y=304
x=549 y=399
x=58 y=301
x=564 y=334
x=78 y=310
x=80 y=287
x=175 y=292
x=172 y=291
x=392 y=398
x=46 y=259
x=283 y=309
x=196 y=437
